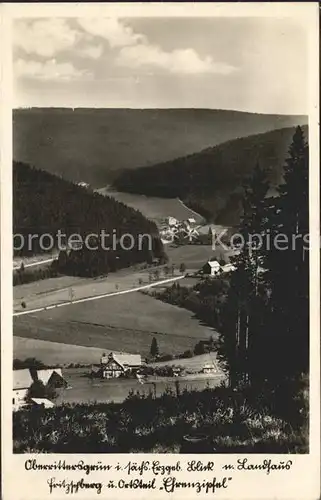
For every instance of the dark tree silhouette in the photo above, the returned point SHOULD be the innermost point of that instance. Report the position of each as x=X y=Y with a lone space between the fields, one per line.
x=154 y=351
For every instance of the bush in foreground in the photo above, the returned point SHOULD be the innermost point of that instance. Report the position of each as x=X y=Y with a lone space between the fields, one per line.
x=231 y=423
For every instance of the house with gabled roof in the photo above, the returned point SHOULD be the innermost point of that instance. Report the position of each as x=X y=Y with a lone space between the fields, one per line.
x=23 y=380
x=113 y=366
x=212 y=268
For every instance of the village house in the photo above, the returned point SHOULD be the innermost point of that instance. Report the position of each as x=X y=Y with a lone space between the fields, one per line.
x=212 y=268
x=171 y=221
x=83 y=184
x=114 y=366
x=209 y=368
x=23 y=380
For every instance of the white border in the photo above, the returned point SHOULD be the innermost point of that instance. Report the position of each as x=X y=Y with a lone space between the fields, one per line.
x=303 y=479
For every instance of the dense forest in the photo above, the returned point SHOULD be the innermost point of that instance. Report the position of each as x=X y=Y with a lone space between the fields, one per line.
x=92 y=145
x=44 y=204
x=262 y=309
x=211 y=181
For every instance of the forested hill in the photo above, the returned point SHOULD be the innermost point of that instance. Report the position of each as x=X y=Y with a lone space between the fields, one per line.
x=44 y=203
x=92 y=145
x=210 y=181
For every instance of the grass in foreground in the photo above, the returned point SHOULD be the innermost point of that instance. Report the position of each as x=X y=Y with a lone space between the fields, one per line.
x=228 y=422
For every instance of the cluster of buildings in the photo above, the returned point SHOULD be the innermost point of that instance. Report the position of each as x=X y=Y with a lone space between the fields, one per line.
x=111 y=366
x=26 y=394
x=173 y=229
x=23 y=381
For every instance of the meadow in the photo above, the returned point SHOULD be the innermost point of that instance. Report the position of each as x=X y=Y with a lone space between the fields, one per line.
x=54 y=353
x=83 y=389
x=155 y=209
x=126 y=322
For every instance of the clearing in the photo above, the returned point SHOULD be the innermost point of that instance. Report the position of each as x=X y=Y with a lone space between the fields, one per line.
x=156 y=209
x=125 y=322
x=54 y=353
x=86 y=390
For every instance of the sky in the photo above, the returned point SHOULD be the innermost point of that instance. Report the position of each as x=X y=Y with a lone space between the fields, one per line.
x=249 y=64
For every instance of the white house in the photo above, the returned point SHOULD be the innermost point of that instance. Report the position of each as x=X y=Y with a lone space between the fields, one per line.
x=209 y=368
x=83 y=184
x=113 y=366
x=212 y=268
x=23 y=379
x=191 y=220
x=171 y=221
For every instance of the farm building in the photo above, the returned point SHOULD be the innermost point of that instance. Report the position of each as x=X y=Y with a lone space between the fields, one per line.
x=228 y=268
x=209 y=368
x=113 y=366
x=23 y=380
x=83 y=184
x=171 y=221
x=212 y=268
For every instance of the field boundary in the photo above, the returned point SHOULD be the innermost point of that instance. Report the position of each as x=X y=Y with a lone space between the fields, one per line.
x=97 y=297
x=190 y=209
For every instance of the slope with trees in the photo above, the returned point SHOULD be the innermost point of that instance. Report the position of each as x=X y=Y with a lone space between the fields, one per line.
x=265 y=338
x=211 y=181
x=92 y=145
x=44 y=204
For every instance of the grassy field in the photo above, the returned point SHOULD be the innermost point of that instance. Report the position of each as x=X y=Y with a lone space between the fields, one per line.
x=37 y=289
x=86 y=390
x=91 y=145
x=194 y=364
x=193 y=256
x=54 y=353
x=154 y=208
x=125 y=322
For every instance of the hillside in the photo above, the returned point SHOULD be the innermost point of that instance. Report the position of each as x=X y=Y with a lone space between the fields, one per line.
x=92 y=145
x=210 y=181
x=45 y=204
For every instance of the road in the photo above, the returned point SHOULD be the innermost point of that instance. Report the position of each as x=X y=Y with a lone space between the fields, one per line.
x=85 y=293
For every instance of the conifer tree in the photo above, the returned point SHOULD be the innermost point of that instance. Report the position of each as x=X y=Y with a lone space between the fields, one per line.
x=237 y=345
x=288 y=265
x=154 y=351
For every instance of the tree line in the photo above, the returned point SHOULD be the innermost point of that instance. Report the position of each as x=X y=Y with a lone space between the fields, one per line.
x=262 y=308
x=265 y=331
x=210 y=181
x=47 y=204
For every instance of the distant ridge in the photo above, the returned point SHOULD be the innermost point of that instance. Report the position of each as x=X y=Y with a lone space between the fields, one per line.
x=76 y=108
x=210 y=181
x=92 y=145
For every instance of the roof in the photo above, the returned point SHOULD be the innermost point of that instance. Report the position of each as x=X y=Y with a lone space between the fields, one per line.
x=22 y=379
x=228 y=267
x=214 y=263
x=124 y=359
x=42 y=401
x=128 y=359
x=44 y=375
